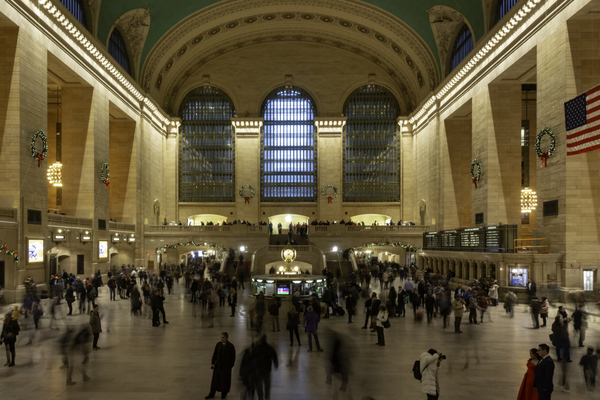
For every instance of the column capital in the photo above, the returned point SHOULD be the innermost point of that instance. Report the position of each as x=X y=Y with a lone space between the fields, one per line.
x=330 y=126
x=173 y=127
x=246 y=126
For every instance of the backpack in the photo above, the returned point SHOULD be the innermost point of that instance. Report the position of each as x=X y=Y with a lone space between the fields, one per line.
x=416 y=370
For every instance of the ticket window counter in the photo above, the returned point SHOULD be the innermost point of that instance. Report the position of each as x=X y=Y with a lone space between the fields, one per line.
x=286 y=287
x=305 y=288
x=262 y=285
x=518 y=276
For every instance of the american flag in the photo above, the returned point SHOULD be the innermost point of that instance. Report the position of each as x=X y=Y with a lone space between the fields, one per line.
x=582 y=116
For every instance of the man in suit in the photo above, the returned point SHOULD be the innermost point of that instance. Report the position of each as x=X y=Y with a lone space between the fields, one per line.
x=544 y=373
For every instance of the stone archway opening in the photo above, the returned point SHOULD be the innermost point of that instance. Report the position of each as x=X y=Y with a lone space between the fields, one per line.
x=206 y=219
x=372 y=219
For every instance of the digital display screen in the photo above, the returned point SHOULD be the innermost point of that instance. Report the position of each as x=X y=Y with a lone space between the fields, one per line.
x=36 y=250
x=283 y=290
x=103 y=249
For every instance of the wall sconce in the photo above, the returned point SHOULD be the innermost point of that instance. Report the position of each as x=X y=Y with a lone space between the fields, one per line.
x=131 y=238
x=59 y=236
x=86 y=237
x=116 y=238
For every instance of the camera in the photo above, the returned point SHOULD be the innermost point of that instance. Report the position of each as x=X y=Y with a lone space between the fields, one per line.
x=442 y=357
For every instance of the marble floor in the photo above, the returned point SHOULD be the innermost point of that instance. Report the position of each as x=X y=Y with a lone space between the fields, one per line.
x=137 y=361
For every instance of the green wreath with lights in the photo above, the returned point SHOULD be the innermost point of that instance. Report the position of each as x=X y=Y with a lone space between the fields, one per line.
x=36 y=154
x=105 y=179
x=247 y=198
x=475 y=177
x=329 y=197
x=538 y=142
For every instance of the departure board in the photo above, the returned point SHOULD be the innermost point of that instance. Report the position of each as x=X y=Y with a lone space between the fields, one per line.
x=431 y=240
x=493 y=237
x=471 y=237
x=449 y=238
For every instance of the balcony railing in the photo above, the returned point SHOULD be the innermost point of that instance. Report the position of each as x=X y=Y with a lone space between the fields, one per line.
x=66 y=220
x=118 y=226
x=210 y=228
x=8 y=214
x=337 y=228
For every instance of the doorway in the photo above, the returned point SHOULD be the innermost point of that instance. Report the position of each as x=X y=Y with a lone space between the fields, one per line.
x=80 y=264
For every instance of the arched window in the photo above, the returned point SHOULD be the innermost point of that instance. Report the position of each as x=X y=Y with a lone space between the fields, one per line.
x=76 y=8
x=206 y=147
x=118 y=50
x=502 y=7
x=371 y=146
x=288 y=147
x=462 y=46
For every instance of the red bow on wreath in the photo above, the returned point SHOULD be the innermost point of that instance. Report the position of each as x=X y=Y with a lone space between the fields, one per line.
x=246 y=200
x=329 y=199
x=107 y=183
x=544 y=157
x=475 y=182
x=40 y=158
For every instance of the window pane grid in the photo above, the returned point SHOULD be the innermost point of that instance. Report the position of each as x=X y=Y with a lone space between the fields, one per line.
x=206 y=147
x=118 y=50
x=76 y=8
x=371 y=146
x=504 y=7
x=462 y=46
x=288 y=147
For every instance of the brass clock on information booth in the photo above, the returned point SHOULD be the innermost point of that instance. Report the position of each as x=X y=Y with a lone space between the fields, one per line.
x=288 y=255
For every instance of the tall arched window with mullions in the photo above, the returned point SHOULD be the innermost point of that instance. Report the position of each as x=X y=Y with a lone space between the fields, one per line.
x=371 y=146
x=462 y=46
x=76 y=8
x=288 y=147
x=206 y=147
x=118 y=50
x=502 y=8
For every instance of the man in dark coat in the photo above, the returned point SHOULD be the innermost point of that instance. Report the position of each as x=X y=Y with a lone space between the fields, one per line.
x=223 y=360
x=544 y=373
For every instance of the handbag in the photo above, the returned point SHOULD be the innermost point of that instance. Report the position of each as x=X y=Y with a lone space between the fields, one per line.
x=386 y=324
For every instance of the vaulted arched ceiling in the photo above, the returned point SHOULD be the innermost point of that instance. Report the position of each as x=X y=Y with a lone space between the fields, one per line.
x=183 y=36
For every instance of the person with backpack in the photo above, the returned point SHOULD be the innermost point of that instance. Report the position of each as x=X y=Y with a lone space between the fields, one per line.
x=473 y=308
x=429 y=364
x=70 y=298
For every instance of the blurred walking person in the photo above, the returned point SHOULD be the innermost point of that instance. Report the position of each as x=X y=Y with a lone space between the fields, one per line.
x=96 y=325
x=267 y=358
x=293 y=320
x=350 y=307
x=311 y=322
x=10 y=330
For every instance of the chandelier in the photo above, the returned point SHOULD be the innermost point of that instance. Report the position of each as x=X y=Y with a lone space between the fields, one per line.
x=55 y=174
x=528 y=200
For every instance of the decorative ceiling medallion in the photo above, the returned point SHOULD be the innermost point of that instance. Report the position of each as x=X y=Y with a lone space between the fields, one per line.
x=345 y=24
x=269 y=17
x=169 y=65
x=380 y=37
x=420 y=79
x=250 y=20
x=181 y=51
x=289 y=16
x=396 y=48
x=214 y=31
x=158 y=81
x=232 y=25
x=327 y=19
x=410 y=62
x=307 y=16
x=197 y=39
x=363 y=29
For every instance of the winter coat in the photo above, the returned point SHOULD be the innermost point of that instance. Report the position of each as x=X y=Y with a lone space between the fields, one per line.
x=95 y=322
x=311 y=320
x=545 y=307
x=381 y=318
x=429 y=374
x=457 y=306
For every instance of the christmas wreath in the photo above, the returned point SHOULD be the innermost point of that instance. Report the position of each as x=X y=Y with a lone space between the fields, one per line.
x=105 y=180
x=34 y=153
x=475 y=177
x=247 y=198
x=538 y=141
x=329 y=197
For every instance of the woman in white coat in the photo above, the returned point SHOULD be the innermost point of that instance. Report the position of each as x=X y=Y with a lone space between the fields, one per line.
x=382 y=317
x=430 y=363
x=493 y=293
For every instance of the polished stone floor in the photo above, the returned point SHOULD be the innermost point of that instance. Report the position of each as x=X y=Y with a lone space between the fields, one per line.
x=137 y=361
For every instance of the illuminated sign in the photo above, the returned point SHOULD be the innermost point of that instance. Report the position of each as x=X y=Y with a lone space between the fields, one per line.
x=102 y=249
x=59 y=237
x=132 y=239
x=86 y=238
x=36 y=250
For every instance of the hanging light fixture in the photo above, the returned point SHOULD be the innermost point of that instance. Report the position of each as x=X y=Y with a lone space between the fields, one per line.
x=55 y=174
x=528 y=200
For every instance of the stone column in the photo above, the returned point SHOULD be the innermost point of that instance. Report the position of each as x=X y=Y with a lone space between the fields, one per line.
x=247 y=166
x=171 y=171
x=502 y=274
x=330 y=168
x=496 y=143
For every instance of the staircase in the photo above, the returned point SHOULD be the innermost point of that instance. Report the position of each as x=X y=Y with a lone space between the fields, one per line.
x=340 y=263
x=230 y=267
x=283 y=239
